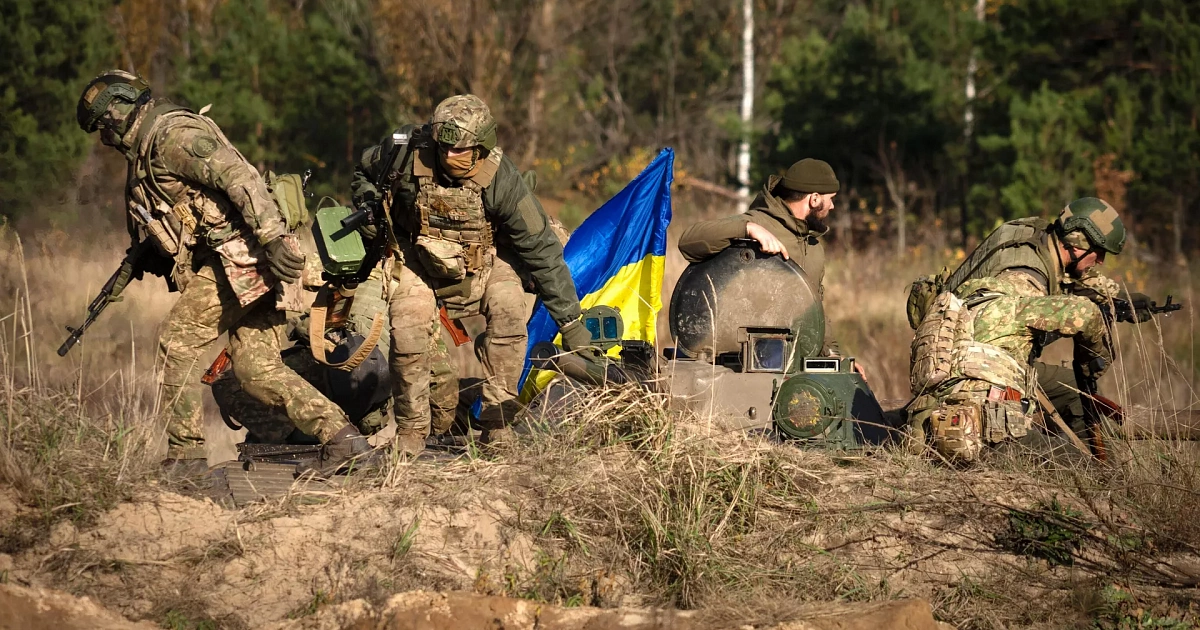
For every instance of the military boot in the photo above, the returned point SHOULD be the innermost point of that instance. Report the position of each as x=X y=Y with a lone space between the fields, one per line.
x=496 y=421
x=189 y=470
x=409 y=444
x=347 y=448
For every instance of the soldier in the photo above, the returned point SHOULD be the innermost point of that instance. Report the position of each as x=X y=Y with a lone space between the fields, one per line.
x=1023 y=287
x=464 y=221
x=224 y=243
x=787 y=218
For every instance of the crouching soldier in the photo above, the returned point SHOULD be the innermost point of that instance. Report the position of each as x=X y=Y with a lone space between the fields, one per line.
x=227 y=247
x=980 y=330
x=361 y=387
x=464 y=223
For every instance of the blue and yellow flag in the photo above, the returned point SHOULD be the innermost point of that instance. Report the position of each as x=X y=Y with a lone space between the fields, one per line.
x=616 y=258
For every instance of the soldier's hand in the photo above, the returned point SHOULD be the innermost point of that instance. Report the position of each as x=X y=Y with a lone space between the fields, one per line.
x=368 y=231
x=766 y=240
x=862 y=371
x=286 y=259
x=576 y=337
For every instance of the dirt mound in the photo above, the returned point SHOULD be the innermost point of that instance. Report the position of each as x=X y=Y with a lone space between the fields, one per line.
x=451 y=611
x=25 y=608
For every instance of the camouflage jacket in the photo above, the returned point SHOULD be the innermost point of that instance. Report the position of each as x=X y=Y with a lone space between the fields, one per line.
x=185 y=175
x=1018 y=316
x=706 y=239
x=523 y=231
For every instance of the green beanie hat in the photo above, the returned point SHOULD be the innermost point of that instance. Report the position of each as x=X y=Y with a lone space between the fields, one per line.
x=811 y=176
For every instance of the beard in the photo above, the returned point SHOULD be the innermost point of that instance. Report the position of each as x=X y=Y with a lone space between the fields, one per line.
x=816 y=223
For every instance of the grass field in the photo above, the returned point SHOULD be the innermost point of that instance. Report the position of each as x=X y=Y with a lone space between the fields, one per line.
x=627 y=503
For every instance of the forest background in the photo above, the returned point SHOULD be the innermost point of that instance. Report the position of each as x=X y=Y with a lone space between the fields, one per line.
x=1069 y=99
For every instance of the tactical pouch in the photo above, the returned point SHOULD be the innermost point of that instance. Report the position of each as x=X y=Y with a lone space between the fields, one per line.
x=922 y=294
x=1004 y=420
x=288 y=192
x=933 y=345
x=957 y=431
x=441 y=258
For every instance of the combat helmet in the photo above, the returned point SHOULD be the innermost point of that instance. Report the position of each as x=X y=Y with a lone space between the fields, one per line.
x=1096 y=221
x=101 y=92
x=464 y=121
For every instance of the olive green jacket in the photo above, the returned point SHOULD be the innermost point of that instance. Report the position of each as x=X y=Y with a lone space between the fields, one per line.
x=517 y=216
x=706 y=239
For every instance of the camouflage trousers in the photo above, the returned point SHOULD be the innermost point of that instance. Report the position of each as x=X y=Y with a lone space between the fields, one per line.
x=413 y=310
x=270 y=425
x=206 y=309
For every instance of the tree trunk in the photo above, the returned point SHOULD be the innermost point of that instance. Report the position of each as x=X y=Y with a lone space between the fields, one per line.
x=969 y=123
x=743 y=158
x=537 y=96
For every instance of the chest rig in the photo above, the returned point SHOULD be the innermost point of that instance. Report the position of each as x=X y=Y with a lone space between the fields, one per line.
x=449 y=226
x=174 y=213
x=149 y=206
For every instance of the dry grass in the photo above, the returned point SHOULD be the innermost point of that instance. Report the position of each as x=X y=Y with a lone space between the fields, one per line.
x=621 y=500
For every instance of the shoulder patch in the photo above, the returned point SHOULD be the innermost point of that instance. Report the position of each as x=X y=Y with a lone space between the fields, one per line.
x=204 y=146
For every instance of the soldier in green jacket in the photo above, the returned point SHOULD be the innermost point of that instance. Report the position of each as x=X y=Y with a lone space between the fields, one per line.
x=787 y=218
x=466 y=228
x=226 y=245
x=1028 y=283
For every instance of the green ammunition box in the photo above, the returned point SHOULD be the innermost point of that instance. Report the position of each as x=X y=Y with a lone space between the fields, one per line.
x=341 y=249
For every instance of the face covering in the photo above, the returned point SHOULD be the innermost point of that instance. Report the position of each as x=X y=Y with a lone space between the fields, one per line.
x=115 y=123
x=459 y=166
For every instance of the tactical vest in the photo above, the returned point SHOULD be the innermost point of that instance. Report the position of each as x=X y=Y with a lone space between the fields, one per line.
x=449 y=226
x=175 y=221
x=1019 y=243
x=148 y=205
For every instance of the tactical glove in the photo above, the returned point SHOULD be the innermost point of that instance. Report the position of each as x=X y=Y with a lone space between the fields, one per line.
x=286 y=260
x=576 y=337
x=1140 y=304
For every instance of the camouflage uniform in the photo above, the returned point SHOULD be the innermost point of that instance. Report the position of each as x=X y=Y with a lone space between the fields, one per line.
x=1018 y=296
x=210 y=211
x=459 y=242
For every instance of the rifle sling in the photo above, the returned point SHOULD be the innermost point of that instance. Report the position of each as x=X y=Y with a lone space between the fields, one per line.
x=1049 y=410
x=316 y=334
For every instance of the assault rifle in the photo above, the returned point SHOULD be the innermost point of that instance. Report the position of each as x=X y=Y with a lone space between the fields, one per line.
x=109 y=292
x=370 y=211
x=1136 y=310
x=1093 y=409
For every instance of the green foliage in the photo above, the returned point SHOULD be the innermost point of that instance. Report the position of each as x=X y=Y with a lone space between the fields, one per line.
x=1072 y=98
x=50 y=51
x=291 y=90
x=1049 y=531
x=1052 y=161
x=1118 y=609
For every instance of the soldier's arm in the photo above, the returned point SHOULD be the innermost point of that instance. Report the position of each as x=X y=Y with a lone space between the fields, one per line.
x=362 y=185
x=1069 y=316
x=366 y=173
x=192 y=152
x=519 y=215
x=706 y=239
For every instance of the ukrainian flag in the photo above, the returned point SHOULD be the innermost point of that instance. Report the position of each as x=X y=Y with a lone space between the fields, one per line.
x=616 y=258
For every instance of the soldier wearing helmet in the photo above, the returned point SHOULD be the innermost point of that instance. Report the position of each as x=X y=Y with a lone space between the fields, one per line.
x=224 y=243
x=468 y=235
x=1028 y=283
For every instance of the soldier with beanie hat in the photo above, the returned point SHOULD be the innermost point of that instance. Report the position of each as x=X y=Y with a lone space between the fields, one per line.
x=786 y=218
